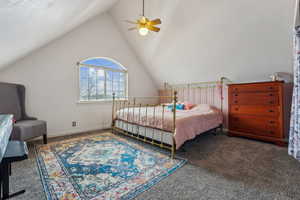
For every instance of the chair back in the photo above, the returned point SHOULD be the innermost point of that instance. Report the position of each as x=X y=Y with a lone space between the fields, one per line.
x=12 y=100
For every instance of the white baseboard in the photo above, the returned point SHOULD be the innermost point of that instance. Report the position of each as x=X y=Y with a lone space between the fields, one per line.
x=72 y=132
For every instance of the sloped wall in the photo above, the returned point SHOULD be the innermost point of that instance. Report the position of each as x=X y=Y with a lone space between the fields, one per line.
x=50 y=76
x=41 y=22
x=202 y=40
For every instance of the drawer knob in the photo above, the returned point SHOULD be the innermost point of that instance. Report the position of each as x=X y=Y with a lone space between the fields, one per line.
x=272 y=122
x=271 y=88
x=235 y=101
x=236 y=95
x=271 y=111
x=271 y=95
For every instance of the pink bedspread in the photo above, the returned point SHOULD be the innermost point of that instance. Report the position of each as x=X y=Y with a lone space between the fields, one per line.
x=189 y=123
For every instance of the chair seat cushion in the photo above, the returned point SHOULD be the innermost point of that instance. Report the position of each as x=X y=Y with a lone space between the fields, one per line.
x=27 y=129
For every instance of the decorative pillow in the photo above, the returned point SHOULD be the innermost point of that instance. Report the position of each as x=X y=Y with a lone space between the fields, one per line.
x=179 y=106
x=188 y=106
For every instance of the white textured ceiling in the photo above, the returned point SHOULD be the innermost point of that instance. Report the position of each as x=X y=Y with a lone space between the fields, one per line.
x=29 y=24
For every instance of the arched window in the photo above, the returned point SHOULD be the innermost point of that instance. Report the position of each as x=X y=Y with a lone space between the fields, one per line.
x=99 y=78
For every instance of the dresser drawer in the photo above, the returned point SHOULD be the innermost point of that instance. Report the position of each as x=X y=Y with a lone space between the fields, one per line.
x=266 y=87
x=268 y=111
x=255 y=125
x=257 y=98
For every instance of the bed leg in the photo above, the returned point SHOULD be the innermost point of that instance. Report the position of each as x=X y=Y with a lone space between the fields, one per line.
x=221 y=129
x=183 y=149
x=214 y=132
x=112 y=130
x=173 y=149
x=172 y=153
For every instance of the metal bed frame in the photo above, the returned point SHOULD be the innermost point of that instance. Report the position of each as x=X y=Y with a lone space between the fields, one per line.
x=132 y=102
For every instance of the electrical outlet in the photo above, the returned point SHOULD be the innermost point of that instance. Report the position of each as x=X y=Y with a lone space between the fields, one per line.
x=105 y=124
x=108 y=124
x=74 y=124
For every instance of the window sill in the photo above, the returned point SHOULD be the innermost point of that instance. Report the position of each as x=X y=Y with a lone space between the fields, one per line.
x=95 y=101
x=99 y=101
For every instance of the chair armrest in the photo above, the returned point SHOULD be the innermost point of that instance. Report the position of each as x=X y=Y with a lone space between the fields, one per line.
x=29 y=118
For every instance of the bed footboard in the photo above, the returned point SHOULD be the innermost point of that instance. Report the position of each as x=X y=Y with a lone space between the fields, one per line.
x=133 y=105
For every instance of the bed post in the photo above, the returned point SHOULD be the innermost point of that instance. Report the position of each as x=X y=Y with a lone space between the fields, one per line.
x=174 y=124
x=113 y=111
x=165 y=86
x=222 y=102
x=221 y=88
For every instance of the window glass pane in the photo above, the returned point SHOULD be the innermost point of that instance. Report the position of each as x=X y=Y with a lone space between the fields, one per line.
x=100 y=74
x=109 y=88
x=109 y=75
x=122 y=85
x=115 y=86
x=100 y=84
x=84 y=72
x=122 y=76
x=92 y=83
x=122 y=94
x=102 y=62
x=116 y=76
x=83 y=75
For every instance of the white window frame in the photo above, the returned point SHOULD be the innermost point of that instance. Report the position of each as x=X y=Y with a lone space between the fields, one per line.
x=80 y=64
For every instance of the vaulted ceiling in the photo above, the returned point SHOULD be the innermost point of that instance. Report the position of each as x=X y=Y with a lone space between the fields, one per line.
x=29 y=24
x=199 y=40
x=203 y=40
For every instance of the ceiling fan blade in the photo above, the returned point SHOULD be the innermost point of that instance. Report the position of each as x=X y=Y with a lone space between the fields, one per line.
x=130 y=22
x=153 y=28
x=131 y=29
x=155 y=22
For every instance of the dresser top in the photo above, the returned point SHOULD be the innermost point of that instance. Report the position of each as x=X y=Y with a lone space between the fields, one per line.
x=256 y=83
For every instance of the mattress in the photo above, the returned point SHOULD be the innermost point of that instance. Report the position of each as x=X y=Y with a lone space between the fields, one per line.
x=189 y=123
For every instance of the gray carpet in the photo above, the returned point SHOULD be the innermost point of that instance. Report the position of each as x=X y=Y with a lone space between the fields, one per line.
x=219 y=167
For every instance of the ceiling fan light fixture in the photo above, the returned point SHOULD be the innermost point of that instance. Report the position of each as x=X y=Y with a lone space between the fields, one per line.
x=143 y=31
x=144 y=25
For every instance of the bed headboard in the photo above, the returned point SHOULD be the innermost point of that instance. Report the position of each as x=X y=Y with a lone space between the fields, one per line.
x=213 y=93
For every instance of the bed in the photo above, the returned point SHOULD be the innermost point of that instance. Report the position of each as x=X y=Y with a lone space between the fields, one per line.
x=161 y=124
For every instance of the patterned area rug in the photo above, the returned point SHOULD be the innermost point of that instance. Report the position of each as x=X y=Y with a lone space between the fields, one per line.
x=101 y=167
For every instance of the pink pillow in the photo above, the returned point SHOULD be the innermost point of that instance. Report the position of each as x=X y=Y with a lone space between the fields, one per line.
x=188 y=106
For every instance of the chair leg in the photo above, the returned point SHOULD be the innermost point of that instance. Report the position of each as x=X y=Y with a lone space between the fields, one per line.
x=5 y=185
x=9 y=169
x=45 y=139
x=5 y=173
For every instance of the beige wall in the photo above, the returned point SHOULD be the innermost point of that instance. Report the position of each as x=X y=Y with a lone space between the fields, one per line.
x=50 y=76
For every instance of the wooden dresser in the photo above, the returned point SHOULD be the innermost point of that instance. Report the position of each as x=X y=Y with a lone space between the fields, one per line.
x=256 y=110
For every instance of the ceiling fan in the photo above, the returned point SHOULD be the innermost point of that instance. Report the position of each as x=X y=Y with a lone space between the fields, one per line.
x=144 y=25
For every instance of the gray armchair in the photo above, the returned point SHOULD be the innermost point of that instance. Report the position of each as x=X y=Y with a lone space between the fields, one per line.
x=12 y=101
